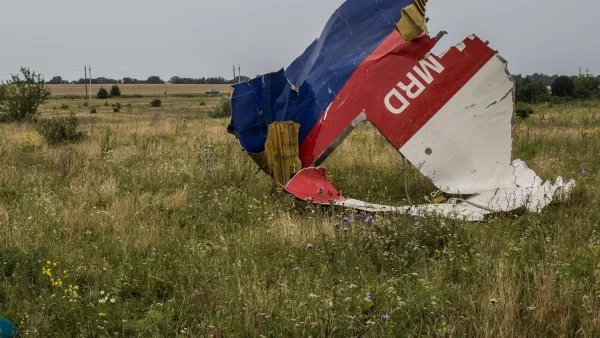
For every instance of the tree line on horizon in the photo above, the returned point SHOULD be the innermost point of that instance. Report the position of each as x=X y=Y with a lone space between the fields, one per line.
x=150 y=80
x=538 y=88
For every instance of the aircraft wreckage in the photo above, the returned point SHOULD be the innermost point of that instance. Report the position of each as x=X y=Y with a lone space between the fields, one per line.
x=449 y=115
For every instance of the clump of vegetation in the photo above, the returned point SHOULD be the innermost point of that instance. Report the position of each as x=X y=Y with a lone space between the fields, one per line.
x=117 y=107
x=202 y=103
x=563 y=86
x=222 y=110
x=102 y=93
x=156 y=103
x=94 y=110
x=64 y=106
x=21 y=96
x=115 y=91
x=60 y=129
x=107 y=142
x=523 y=111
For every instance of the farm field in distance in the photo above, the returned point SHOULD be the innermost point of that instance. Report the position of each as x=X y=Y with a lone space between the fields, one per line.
x=139 y=89
x=157 y=224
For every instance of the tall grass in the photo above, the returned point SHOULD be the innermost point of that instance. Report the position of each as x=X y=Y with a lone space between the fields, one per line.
x=161 y=226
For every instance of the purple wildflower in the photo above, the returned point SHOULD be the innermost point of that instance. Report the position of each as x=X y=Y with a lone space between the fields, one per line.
x=309 y=245
x=347 y=219
x=346 y=229
x=369 y=218
x=385 y=316
x=583 y=172
x=196 y=292
x=369 y=297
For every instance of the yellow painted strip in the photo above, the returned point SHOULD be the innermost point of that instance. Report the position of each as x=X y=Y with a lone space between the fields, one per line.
x=280 y=158
x=413 y=22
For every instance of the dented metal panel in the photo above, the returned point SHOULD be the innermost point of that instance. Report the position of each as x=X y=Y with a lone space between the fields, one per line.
x=449 y=115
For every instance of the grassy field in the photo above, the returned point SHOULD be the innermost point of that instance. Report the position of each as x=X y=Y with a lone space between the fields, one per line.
x=138 y=89
x=158 y=225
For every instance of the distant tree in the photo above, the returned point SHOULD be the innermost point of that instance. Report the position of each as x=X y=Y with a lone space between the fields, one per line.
x=155 y=80
x=531 y=91
x=102 y=93
x=57 y=80
x=585 y=87
x=115 y=91
x=22 y=95
x=155 y=103
x=128 y=80
x=563 y=86
x=2 y=92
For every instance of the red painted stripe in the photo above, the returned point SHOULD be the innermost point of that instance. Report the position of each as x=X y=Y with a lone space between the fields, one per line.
x=388 y=65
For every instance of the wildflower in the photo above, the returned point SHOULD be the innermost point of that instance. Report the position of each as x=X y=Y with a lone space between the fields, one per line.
x=369 y=218
x=345 y=229
x=346 y=219
x=309 y=245
x=417 y=223
x=583 y=172
x=112 y=300
x=415 y=248
x=369 y=297
x=196 y=292
x=101 y=293
x=385 y=316
x=295 y=268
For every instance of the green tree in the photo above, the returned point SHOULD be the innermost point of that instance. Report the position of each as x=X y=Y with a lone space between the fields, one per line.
x=155 y=80
x=585 y=87
x=102 y=93
x=115 y=91
x=563 y=86
x=57 y=80
x=531 y=91
x=22 y=96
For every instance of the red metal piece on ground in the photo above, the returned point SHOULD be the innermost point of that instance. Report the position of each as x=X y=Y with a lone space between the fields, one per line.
x=311 y=184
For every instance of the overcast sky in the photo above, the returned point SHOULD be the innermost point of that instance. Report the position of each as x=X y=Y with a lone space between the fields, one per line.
x=195 y=38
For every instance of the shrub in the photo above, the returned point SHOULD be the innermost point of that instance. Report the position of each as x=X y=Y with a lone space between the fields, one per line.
x=22 y=96
x=60 y=129
x=115 y=91
x=156 y=103
x=563 y=86
x=64 y=106
x=222 y=110
x=102 y=93
x=117 y=107
x=585 y=87
x=93 y=110
x=523 y=112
